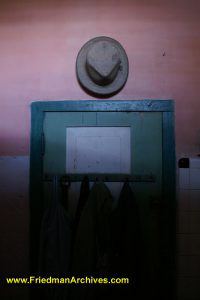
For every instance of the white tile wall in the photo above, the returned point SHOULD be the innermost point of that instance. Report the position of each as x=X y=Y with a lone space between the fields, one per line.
x=194 y=163
x=188 y=222
x=183 y=200
x=188 y=244
x=194 y=179
x=188 y=200
x=194 y=200
x=188 y=232
x=184 y=179
x=188 y=288
x=188 y=266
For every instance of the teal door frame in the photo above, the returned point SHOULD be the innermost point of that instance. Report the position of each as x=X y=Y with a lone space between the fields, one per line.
x=168 y=205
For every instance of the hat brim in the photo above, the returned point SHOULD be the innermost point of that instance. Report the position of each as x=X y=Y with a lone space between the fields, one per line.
x=88 y=83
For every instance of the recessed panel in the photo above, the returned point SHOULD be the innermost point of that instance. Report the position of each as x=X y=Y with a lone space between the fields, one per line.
x=98 y=150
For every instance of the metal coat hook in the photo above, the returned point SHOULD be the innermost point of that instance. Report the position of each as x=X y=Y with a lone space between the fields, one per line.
x=65 y=181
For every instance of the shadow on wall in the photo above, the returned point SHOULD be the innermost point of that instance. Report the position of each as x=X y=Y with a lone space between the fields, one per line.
x=14 y=223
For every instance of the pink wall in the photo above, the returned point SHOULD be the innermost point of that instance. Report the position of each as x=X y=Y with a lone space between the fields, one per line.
x=40 y=39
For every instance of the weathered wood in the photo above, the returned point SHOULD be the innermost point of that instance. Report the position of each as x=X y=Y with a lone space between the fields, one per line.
x=102 y=105
x=167 y=219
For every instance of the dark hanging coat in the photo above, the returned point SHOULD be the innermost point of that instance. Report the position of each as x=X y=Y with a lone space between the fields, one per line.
x=84 y=194
x=55 y=240
x=127 y=246
x=92 y=244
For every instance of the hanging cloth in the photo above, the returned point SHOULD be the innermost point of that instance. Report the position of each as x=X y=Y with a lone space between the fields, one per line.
x=84 y=194
x=92 y=242
x=126 y=243
x=55 y=239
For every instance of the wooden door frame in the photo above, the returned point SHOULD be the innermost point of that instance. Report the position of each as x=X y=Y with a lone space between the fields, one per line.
x=168 y=217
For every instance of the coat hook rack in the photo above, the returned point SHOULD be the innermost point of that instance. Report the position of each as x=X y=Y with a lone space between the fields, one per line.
x=102 y=177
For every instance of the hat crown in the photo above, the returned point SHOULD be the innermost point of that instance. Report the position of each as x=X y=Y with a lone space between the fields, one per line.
x=103 y=62
x=102 y=66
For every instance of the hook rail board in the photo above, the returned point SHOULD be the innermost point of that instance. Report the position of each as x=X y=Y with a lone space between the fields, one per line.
x=102 y=177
